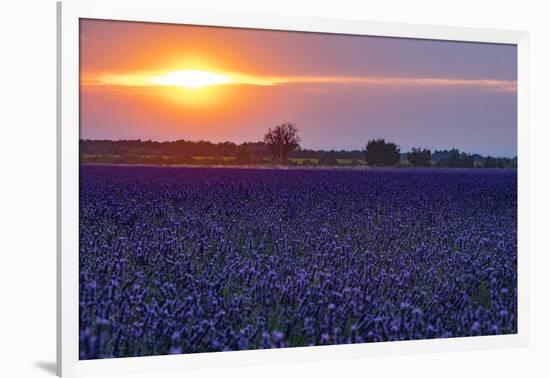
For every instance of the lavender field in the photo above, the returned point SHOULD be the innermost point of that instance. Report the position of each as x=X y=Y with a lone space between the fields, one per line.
x=187 y=260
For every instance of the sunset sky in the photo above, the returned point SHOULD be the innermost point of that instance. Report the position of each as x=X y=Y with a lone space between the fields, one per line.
x=169 y=82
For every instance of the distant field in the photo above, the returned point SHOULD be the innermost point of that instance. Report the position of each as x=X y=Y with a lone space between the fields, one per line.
x=199 y=160
x=303 y=161
x=202 y=160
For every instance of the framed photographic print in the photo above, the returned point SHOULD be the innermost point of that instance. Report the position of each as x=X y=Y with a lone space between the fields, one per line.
x=242 y=188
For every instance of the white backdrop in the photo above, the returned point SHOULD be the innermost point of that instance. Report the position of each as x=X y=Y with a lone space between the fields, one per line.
x=27 y=187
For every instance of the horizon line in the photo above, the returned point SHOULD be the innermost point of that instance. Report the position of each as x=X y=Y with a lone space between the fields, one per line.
x=433 y=150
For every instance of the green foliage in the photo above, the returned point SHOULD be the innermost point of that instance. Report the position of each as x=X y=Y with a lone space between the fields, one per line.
x=482 y=295
x=492 y=162
x=457 y=159
x=378 y=152
x=420 y=157
x=181 y=152
x=244 y=156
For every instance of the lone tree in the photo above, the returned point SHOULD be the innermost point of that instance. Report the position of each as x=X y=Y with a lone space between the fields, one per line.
x=420 y=157
x=380 y=153
x=282 y=140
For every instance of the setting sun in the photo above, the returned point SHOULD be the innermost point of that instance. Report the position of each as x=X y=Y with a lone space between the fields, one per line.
x=191 y=79
x=168 y=82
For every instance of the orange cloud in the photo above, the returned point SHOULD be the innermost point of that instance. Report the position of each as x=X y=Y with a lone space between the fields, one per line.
x=201 y=78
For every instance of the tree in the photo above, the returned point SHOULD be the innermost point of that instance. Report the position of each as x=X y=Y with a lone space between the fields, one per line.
x=380 y=153
x=468 y=161
x=282 y=140
x=454 y=160
x=420 y=157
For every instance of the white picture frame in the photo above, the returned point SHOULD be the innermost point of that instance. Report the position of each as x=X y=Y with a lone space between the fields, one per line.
x=170 y=11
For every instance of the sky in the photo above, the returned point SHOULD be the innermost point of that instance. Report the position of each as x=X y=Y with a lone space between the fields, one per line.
x=166 y=82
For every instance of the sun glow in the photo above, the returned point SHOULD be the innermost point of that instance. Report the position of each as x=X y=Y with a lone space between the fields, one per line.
x=197 y=79
x=191 y=79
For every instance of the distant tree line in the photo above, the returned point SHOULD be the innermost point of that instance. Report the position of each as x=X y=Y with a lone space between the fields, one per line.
x=152 y=148
x=378 y=152
x=492 y=162
x=281 y=145
x=457 y=159
x=420 y=157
